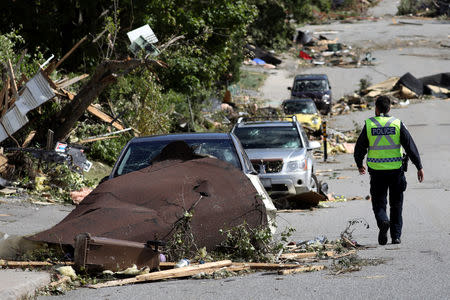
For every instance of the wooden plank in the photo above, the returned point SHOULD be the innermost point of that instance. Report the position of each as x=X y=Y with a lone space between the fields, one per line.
x=63 y=280
x=2 y=97
x=183 y=272
x=104 y=117
x=97 y=139
x=172 y=273
x=343 y=254
x=267 y=266
x=12 y=78
x=29 y=138
x=298 y=255
x=49 y=71
x=19 y=264
x=167 y=265
x=305 y=255
x=5 y=99
x=49 y=80
x=301 y=269
x=72 y=81
x=19 y=62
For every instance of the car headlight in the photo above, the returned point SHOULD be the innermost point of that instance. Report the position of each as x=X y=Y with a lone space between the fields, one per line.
x=326 y=98
x=315 y=121
x=296 y=165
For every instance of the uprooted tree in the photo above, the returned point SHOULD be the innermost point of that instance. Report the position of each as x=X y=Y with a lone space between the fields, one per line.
x=105 y=74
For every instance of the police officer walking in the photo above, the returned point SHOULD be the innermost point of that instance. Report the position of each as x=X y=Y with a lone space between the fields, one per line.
x=381 y=139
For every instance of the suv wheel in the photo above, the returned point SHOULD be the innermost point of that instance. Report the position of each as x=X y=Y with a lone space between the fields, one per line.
x=314 y=183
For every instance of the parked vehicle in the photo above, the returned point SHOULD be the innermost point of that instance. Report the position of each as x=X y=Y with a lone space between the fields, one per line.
x=139 y=152
x=314 y=86
x=281 y=153
x=305 y=111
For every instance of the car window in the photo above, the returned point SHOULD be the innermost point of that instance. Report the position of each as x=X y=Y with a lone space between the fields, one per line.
x=297 y=107
x=313 y=85
x=139 y=155
x=268 y=137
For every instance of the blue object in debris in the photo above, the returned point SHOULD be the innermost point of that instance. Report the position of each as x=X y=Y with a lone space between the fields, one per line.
x=259 y=61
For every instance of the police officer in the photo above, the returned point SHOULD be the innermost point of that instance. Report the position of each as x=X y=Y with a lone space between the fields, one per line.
x=381 y=139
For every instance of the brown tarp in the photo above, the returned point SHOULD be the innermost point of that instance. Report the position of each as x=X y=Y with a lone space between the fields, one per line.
x=145 y=204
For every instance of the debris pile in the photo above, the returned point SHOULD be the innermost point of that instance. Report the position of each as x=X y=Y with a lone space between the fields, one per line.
x=260 y=57
x=410 y=87
x=293 y=257
x=315 y=48
x=399 y=89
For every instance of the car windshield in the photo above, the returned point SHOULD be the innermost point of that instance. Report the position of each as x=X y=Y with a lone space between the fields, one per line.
x=299 y=107
x=314 y=85
x=268 y=137
x=139 y=155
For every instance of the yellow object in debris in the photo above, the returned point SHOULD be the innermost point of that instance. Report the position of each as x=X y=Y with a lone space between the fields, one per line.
x=39 y=183
x=67 y=271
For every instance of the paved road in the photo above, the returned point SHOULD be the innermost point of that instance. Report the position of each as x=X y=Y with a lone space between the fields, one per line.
x=419 y=268
x=398 y=49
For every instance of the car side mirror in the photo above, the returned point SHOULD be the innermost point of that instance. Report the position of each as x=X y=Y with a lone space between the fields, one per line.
x=289 y=88
x=314 y=145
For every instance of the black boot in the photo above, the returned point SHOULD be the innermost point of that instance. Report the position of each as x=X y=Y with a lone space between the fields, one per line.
x=382 y=235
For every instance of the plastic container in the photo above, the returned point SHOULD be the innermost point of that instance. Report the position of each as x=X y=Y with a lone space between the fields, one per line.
x=182 y=263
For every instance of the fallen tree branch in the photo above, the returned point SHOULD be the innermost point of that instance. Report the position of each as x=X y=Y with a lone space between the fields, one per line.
x=66 y=119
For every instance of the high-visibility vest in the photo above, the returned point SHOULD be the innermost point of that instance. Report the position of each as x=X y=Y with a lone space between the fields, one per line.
x=384 y=143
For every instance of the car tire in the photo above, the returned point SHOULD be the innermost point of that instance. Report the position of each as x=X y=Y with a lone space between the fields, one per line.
x=314 y=183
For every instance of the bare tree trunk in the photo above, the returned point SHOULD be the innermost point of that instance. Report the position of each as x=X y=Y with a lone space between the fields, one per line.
x=105 y=74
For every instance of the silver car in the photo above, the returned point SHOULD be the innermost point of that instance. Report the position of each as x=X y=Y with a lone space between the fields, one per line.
x=281 y=153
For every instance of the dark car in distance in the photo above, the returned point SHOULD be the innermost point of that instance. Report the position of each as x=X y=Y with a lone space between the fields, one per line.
x=314 y=86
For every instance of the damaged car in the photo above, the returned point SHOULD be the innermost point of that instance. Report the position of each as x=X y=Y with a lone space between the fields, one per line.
x=314 y=86
x=140 y=152
x=305 y=111
x=160 y=183
x=281 y=153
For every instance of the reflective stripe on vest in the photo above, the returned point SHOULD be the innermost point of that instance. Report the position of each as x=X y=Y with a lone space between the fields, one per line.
x=384 y=143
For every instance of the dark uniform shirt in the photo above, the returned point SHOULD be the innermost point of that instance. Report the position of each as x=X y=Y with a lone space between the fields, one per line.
x=407 y=142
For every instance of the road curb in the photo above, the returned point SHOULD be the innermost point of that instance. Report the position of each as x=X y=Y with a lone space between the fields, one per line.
x=17 y=284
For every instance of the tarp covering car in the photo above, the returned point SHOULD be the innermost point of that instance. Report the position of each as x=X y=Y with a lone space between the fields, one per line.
x=144 y=205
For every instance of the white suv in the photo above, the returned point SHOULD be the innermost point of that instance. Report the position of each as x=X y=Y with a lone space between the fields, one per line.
x=281 y=153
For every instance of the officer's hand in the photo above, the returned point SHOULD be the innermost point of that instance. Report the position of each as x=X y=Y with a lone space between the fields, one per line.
x=420 y=175
x=362 y=170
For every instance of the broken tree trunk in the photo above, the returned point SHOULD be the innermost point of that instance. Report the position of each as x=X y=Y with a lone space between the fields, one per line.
x=105 y=74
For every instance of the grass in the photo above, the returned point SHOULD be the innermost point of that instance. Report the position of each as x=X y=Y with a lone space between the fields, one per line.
x=251 y=80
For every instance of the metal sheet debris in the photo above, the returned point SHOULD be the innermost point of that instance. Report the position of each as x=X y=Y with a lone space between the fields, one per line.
x=37 y=91
x=97 y=253
x=145 y=204
x=13 y=120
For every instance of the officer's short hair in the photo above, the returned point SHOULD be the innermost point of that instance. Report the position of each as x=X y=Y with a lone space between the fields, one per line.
x=383 y=103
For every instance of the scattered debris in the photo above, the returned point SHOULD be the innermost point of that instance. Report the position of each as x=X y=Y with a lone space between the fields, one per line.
x=262 y=55
x=101 y=253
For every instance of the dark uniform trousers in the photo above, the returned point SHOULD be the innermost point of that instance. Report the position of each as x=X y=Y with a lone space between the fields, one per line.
x=381 y=182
